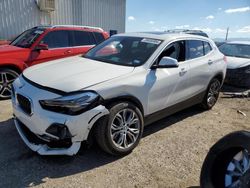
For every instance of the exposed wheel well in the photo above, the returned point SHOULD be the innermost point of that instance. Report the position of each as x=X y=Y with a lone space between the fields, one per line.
x=127 y=98
x=12 y=67
x=219 y=76
x=108 y=103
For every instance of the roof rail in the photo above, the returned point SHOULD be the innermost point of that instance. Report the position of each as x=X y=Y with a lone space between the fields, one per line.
x=79 y=26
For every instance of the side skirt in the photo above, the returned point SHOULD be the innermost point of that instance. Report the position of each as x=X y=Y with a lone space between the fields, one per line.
x=175 y=108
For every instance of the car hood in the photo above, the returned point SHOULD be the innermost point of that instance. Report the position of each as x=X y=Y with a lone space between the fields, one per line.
x=237 y=62
x=9 y=48
x=74 y=73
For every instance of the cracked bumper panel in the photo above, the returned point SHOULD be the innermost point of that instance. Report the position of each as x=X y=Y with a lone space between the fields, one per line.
x=40 y=120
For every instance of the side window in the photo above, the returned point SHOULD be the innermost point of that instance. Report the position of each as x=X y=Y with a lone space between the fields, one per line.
x=207 y=47
x=175 y=50
x=98 y=37
x=56 y=39
x=195 y=49
x=83 y=38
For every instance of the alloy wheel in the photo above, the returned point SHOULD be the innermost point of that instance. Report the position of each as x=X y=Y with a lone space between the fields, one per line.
x=213 y=93
x=238 y=171
x=125 y=128
x=6 y=79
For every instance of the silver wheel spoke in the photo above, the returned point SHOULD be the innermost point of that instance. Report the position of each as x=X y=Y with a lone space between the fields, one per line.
x=237 y=170
x=132 y=137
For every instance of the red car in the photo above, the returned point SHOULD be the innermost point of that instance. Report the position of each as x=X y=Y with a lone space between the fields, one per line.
x=41 y=44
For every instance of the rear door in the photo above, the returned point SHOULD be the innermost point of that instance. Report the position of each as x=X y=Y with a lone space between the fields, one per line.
x=83 y=41
x=59 y=45
x=199 y=62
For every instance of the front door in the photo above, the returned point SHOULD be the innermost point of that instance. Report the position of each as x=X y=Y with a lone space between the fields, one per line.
x=59 y=47
x=168 y=86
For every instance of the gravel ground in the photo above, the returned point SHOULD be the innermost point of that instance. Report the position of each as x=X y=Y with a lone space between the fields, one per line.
x=170 y=153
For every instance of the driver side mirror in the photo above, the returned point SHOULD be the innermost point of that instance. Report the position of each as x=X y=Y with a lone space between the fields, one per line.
x=167 y=62
x=42 y=47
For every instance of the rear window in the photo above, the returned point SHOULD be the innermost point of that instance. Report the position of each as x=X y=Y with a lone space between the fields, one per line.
x=99 y=37
x=83 y=38
x=235 y=50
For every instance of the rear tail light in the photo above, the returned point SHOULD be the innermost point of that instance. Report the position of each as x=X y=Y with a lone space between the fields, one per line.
x=225 y=59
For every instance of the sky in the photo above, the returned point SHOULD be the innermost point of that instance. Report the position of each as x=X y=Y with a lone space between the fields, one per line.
x=211 y=16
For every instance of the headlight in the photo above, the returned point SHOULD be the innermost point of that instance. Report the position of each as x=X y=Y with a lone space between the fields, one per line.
x=73 y=104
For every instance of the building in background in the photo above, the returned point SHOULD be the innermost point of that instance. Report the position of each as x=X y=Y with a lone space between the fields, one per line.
x=19 y=15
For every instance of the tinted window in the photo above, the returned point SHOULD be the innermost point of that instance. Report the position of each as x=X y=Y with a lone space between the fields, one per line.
x=99 y=37
x=195 y=49
x=175 y=50
x=56 y=39
x=235 y=50
x=207 y=47
x=83 y=38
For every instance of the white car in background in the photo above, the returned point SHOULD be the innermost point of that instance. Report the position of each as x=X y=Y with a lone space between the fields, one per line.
x=238 y=62
x=122 y=84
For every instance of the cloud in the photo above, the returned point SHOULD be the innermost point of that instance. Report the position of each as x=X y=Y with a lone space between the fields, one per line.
x=210 y=17
x=207 y=29
x=237 y=10
x=182 y=26
x=151 y=22
x=219 y=30
x=131 y=18
x=219 y=8
x=245 y=29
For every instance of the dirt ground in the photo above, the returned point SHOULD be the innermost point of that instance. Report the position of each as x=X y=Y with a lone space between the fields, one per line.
x=170 y=153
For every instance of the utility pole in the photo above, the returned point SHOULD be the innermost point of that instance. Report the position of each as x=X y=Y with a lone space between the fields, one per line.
x=227 y=33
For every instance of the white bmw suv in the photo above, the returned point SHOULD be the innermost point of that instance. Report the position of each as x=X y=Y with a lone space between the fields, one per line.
x=122 y=84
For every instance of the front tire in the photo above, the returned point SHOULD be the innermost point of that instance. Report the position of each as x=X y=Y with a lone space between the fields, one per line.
x=212 y=94
x=7 y=77
x=228 y=162
x=120 y=132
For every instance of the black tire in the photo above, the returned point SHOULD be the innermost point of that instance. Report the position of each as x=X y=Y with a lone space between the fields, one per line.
x=208 y=100
x=215 y=166
x=7 y=77
x=103 y=129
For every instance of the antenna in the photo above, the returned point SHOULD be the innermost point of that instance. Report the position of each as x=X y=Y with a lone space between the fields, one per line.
x=227 y=33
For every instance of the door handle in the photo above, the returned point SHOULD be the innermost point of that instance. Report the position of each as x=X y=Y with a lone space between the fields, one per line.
x=210 y=62
x=182 y=71
x=68 y=52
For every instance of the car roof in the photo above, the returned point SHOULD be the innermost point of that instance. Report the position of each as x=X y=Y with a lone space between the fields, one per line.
x=239 y=42
x=162 y=35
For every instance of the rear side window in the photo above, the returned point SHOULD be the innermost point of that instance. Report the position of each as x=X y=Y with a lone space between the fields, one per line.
x=83 y=38
x=207 y=48
x=98 y=37
x=195 y=49
x=56 y=39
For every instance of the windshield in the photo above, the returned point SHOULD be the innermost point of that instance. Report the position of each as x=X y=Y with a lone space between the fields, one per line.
x=27 y=38
x=122 y=50
x=235 y=50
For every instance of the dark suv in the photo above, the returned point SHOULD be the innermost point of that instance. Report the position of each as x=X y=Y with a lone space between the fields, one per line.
x=41 y=44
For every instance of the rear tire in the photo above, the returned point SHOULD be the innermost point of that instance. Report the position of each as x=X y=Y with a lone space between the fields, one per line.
x=212 y=94
x=7 y=77
x=120 y=132
x=218 y=166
